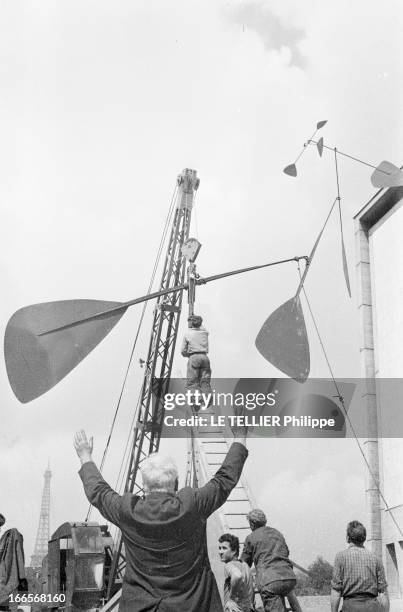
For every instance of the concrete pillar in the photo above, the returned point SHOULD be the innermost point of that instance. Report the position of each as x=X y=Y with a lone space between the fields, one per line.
x=373 y=501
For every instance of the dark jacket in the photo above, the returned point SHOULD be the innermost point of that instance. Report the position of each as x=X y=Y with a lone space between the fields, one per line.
x=12 y=566
x=167 y=565
x=267 y=549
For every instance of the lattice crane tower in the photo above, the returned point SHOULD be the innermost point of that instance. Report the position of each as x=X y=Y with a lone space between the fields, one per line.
x=42 y=535
x=158 y=366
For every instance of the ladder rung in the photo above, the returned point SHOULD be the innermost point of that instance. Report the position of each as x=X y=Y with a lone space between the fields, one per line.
x=239 y=528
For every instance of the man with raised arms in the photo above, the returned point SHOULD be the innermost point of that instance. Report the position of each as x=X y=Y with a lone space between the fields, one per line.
x=164 y=531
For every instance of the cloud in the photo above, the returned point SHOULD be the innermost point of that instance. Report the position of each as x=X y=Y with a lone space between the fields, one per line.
x=270 y=28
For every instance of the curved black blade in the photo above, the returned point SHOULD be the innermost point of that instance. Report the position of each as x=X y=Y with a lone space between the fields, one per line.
x=36 y=363
x=283 y=340
x=320 y=124
x=387 y=175
x=317 y=407
x=291 y=170
x=319 y=145
x=345 y=266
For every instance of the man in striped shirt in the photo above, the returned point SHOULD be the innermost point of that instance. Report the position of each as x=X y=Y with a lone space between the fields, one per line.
x=358 y=576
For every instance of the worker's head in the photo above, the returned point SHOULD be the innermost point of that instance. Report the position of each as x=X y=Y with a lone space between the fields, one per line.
x=356 y=533
x=2 y=520
x=159 y=473
x=256 y=518
x=228 y=547
x=195 y=321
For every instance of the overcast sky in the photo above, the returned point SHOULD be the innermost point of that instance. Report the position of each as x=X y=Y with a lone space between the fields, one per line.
x=102 y=105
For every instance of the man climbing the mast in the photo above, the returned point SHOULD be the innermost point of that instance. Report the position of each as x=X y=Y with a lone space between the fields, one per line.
x=195 y=346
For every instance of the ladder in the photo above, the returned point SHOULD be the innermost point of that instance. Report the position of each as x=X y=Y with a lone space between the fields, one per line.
x=209 y=447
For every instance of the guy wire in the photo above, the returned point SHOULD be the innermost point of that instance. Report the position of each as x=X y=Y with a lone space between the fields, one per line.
x=156 y=263
x=341 y=400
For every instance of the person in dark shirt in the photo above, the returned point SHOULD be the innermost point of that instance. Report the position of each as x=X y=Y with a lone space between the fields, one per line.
x=164 y=532
x=267 y=549
x=358 y=576
x=12 y=566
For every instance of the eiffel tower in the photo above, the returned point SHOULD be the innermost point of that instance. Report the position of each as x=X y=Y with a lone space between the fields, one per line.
x=42 y=536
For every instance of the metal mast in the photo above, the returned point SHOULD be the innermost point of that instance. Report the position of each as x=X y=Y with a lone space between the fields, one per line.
x=42 y=536
x=147 y=432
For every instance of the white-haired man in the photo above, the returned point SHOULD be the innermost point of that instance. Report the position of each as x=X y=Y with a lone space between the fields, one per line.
x=164 y=532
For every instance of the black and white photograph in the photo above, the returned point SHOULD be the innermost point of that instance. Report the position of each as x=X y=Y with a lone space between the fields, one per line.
x=201 y=265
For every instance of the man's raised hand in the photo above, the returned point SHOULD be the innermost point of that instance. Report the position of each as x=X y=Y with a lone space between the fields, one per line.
x=83 y=446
